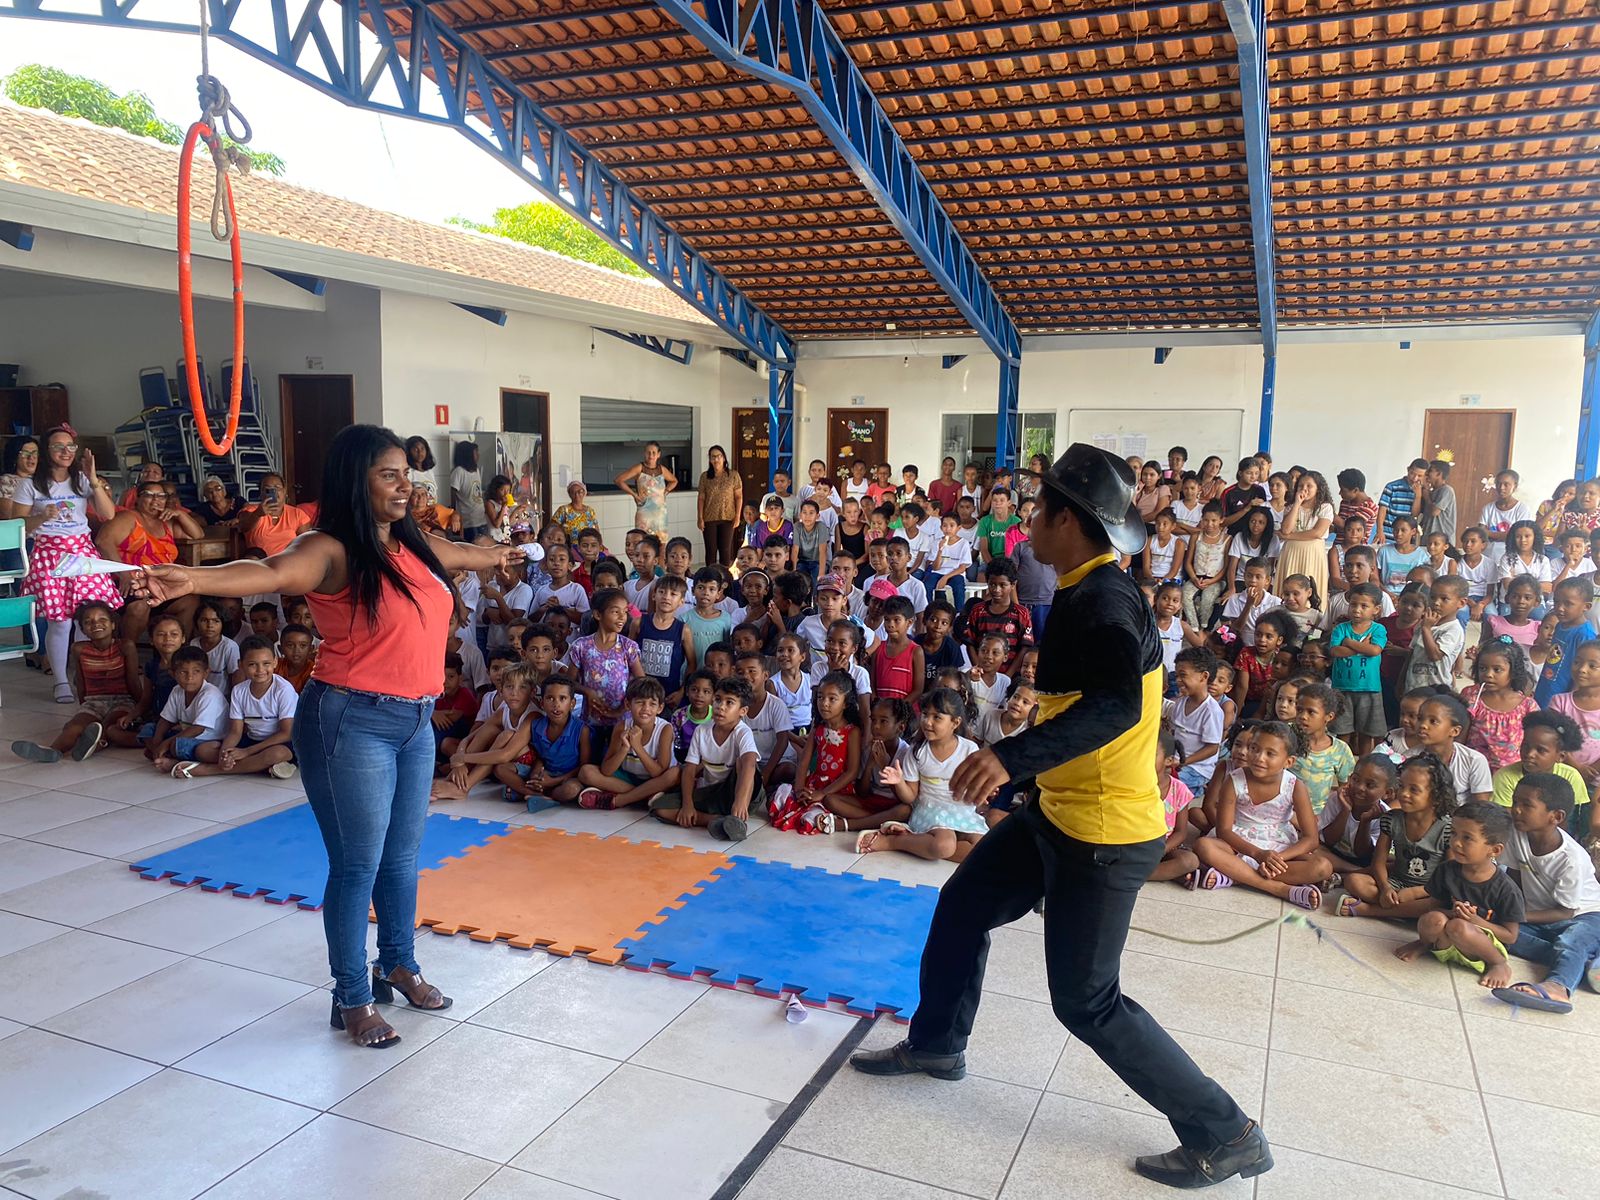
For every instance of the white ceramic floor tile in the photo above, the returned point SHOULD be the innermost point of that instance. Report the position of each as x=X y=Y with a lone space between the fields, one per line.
x=367 y=1163
x=1424 y=1122
x=933 y=1137
x=1535 y=1063
x=294 y=1055
x=1349 y=958
x=1389 y=1035
x=191 y=920
x=84 y=895
x=291 y=948
x=1544 y=1151
x=1256 y=952
x=23 y=863
x=661 y=833
x=1094 y=1147
x=795 y=1175
x=1241 y=1070
x=1297 y=1175
x=685 y=1138
x=581 y=820
x=476 y=974
x=1234 y=1006
x=138 y=786
x=835 y=853
x=68 y=775
x=610 y=1011
x=1014 y=1041
x=438 y=1094
x=742 y=1041
x=508 y=1183
x=115 y=834
x=48 y=810
x=148 y=1140
x=70 y=970
x=7 y=1028
x=223 y=800
x=1016 y=965
x=1241 y=900
x=1477 y=1001
x=10 y=790
x=49 y=1079
x=174 y=1012
x=905 y=868
x=18 y=932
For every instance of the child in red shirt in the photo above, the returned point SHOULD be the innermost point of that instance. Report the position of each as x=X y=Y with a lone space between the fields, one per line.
x=1253 y=665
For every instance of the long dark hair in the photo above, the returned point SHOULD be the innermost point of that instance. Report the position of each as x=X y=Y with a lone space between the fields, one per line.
x=8 y=464
x=711 y=467
x=427 y=452
x=41 y=474
x=463 y=457
x=346 y=515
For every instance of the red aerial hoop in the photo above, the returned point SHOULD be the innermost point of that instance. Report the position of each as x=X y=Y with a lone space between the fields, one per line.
x=199 y=131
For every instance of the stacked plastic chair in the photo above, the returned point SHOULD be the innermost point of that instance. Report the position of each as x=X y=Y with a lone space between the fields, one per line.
x=16 y=612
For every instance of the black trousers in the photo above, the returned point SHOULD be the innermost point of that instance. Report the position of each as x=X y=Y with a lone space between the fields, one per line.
x=1089 y=892
x=719 y=542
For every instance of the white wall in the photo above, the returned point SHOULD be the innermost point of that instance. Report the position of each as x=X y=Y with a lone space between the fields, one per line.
x=435 y=353
x=1358 y=405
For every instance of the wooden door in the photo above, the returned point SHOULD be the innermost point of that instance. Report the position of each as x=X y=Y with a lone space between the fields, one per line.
x=1478 y=442
x=752 y=451
x=314 y=408
x=858 y=433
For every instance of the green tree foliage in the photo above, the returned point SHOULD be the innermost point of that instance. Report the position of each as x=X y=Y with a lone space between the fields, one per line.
x=545 y=225
x=70 y=95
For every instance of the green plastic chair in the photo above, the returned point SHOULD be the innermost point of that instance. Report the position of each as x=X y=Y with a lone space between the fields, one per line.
x=14 y=536
x=16 y=612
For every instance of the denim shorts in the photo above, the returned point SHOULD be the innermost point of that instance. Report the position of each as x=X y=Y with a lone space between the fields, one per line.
x=188 y=749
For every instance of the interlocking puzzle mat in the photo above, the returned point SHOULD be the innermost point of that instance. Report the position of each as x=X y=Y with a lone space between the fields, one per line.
x=281 y=857
x=782 y=929
x=567 y=892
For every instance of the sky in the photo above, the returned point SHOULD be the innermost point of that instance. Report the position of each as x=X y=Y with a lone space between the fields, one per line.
x=403 y=166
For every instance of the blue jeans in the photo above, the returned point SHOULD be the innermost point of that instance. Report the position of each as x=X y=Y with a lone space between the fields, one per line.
x=1037 y=613
x=367 y=763
x=957 y=585
x=1565 y=947
x=1194 y=781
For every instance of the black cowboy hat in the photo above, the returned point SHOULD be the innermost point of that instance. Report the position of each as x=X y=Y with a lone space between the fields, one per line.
x=1101 y=485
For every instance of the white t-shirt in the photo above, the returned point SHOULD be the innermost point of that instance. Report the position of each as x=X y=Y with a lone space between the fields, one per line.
x=1187 y=515
x=222 y=660
x=75 y=520
x=857 y=490
x=569 y=595
x=1247 y=628
x=1171 y=641
x=517 y=597
x=1422 y=671
x=813 y=630
x=913 y=591
x=766 y=725
x=1339 y=608
x=471 y=591
x=989 y=696
x=261 y=714
x=473 y=669
x=208 y=709
x=948 y=558
x=1496 y=521
x=933 y=776
x=1196 y=727
x=1478 y=577
x=1470 y=771
x=468 y=488
x=926 y=542
x=1541 y=568
x=1564 y=878
x=716 y=759
x=1240 y=549
x=858 y=675
x=798 y=702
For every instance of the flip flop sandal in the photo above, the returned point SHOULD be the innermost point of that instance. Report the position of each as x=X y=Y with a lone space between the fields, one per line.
x=1536 y=998
x=1335 y=882
x=88 y=741
x=865 y=840
x=1191 y=881
x=283 y=770
x=594 y=798
x=34 y=752
x=183 y=770
x=895 y=827
x=1305 y=896
x=1214 y=879
x=1347 y=906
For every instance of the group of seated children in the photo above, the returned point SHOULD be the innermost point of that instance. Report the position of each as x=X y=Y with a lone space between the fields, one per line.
x=219 y=704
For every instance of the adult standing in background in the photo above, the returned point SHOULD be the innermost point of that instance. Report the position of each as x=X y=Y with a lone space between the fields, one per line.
x=55 y=502
x=719 y=501
x=1401 y=498
x=1085 y=844
x=466 y=492
x=649 y=483
x=575 y=516
x=419 y=463
x=945 y=491
x=1502 y=512
x=380 y=595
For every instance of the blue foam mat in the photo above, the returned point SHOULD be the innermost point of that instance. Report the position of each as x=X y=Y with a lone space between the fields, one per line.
x=281 y=857
x=797 y=929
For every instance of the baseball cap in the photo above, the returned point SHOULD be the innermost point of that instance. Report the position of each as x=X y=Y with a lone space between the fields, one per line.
x=882 y=589
x=832 y=583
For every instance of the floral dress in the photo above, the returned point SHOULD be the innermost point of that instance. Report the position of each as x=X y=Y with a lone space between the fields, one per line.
x=606 y=671
x=650 y=515
x=574 y=519
x=830 y=755
x=1496 y=735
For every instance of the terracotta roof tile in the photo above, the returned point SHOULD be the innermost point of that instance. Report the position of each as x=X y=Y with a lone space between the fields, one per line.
x=58 y=154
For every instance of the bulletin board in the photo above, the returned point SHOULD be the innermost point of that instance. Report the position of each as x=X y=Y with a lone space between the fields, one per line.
x=1151 y=432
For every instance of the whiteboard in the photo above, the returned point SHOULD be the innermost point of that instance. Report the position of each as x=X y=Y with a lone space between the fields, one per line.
x=1151 y=432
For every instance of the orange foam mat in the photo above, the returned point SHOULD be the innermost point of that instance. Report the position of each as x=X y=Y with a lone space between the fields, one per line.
x=571 y=893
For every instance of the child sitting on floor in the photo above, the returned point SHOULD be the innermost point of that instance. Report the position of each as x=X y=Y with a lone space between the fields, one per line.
x=769 y=721
x=719 y=772
x=261 y=718
x=1177 y=860
x=105 y=674
x=940 y=826
x=222 y=653
x=1350 y=822
x=501 y=739
x=1473 y=910
x=297 y=656
x=1413 y=838
x=135 y=729
x=455 y=708
x=557 y=748
x=193 y=720
x=638 y=764
x=1266 y=833
x=873 y=802
x=828 y=763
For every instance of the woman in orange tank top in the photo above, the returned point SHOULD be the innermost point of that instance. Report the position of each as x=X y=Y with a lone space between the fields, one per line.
x=144 y=536
x=380 y=593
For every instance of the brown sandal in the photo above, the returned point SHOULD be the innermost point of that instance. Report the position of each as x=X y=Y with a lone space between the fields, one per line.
x=364 y=1025
x=419 y=993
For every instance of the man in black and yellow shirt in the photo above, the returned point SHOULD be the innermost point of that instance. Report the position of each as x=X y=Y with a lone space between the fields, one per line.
x=1087 y=844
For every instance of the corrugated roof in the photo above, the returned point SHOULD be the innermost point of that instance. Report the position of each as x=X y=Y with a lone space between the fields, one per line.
x=58 y=154
x=1433 y=159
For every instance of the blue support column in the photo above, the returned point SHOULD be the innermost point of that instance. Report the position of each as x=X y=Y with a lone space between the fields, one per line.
x=1269 y=387
x=780 y=420
x=1008 y=424
x=1589 y=403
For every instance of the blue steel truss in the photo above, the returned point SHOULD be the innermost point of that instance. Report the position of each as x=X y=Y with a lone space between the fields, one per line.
x=791 y=44
x=350 y=51
x=1589 y=402
x=1008 y=424
x=676 y=349
x=780 y=420
x=1248 y=20
x=19 y=237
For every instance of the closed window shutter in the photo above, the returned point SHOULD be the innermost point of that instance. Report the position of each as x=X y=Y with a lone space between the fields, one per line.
x=634 y=421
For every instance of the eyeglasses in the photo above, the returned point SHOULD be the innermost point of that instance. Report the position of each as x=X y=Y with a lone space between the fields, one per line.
x=34 y=453
x=69 y=446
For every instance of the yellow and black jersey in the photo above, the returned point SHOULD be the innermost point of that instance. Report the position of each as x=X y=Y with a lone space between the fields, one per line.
x=1093 y=749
